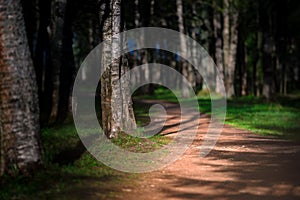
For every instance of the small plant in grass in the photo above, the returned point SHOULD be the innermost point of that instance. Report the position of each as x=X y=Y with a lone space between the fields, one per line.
x=140 y=145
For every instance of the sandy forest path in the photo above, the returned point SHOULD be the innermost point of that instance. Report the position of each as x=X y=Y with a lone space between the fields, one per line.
x=241 y=166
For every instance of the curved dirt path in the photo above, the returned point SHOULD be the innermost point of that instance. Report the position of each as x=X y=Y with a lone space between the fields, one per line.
x=241 y=166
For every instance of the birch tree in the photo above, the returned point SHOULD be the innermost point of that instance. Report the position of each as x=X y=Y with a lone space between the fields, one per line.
x=183 y=45
x=19 y=107
x=116 y=103
x=230 y=38
x=218 y=47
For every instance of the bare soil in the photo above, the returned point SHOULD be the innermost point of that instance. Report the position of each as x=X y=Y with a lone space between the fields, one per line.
x=241 y=166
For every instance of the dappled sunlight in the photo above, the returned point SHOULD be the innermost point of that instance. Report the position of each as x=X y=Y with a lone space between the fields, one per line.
x=241 y=166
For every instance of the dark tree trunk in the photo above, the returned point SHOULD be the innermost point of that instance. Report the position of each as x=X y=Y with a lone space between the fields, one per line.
x=43 y=63
x=241 y=63
x=268 y=67
x=30 y=17
x=267 y=50
x=56 y=40
x=67 y=68
x=20 y=143
x=281 y=37
x=255 y=57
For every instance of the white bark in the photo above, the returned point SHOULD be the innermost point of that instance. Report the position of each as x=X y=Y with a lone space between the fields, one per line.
x=218 y=50
x=19 y=108
x=117 y=111
x=183 y=45
x=230 y=37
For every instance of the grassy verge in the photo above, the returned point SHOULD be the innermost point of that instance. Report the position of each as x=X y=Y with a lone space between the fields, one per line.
x=161 y=93
x=70 y=172
x=280 y=118
x=140 y=145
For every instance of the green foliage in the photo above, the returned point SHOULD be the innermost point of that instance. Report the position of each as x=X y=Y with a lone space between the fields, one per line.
x=68 y=167
x=62 y=172
x=58 y=139
x=279 y=118
x=161 y=93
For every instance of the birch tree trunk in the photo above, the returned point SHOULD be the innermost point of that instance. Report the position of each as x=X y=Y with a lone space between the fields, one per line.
x=152 y=3
x=198 y=78
x=230 y=37
x=226 y=40
x=142 y=21
x=218 y=48
x=116 y=103
x=233 y=53
x=183 y=46
x=19 y=107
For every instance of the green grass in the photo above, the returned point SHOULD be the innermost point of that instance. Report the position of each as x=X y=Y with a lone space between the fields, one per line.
x=160 y=93
x=61 y=172
x=140 y=145
x=69 y=171
x=280 y=118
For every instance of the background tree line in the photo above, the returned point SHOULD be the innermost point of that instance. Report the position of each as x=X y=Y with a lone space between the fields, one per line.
x=255 y=45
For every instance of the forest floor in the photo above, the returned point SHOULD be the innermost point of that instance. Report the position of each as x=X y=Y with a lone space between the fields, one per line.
x=242 y=165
